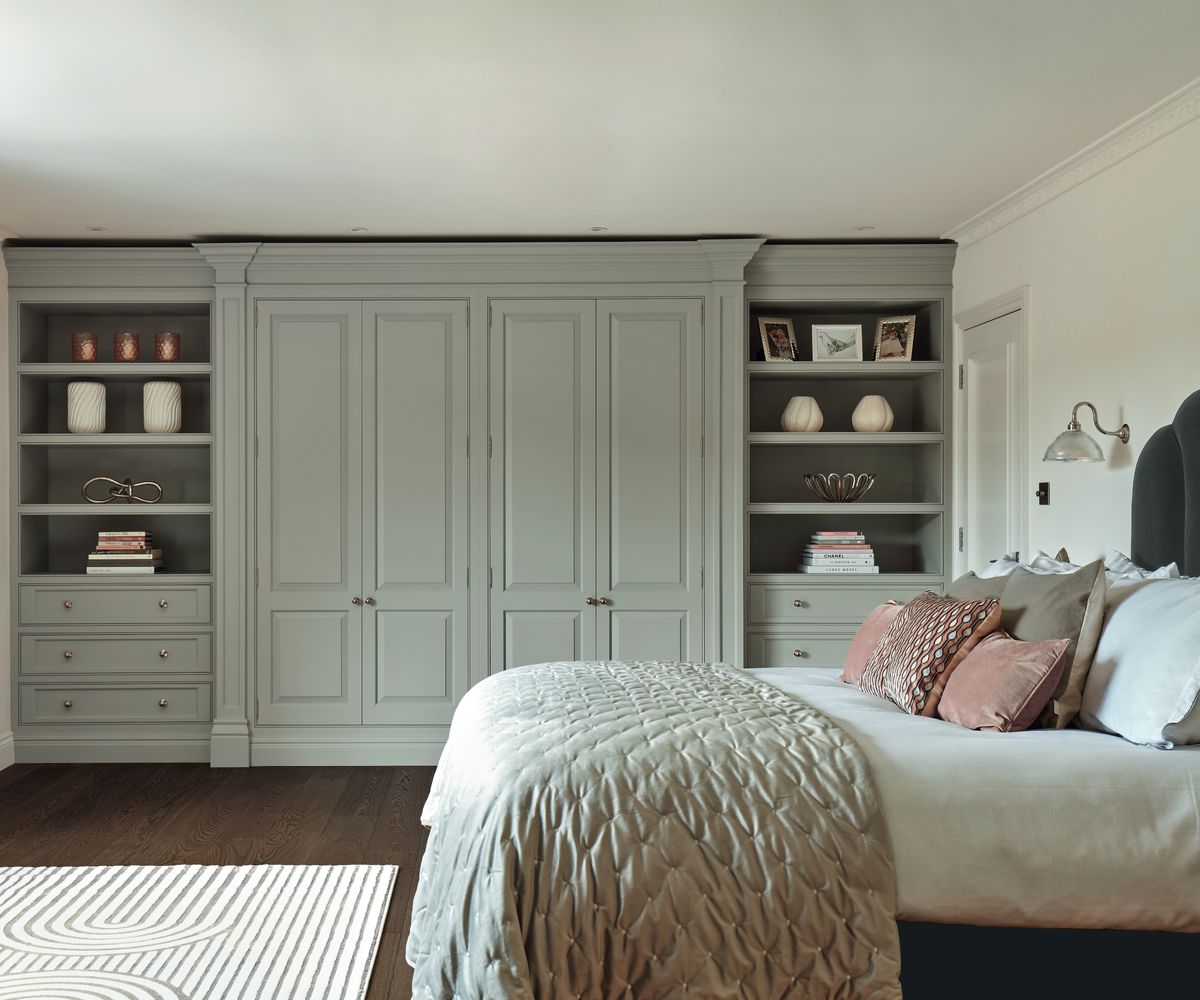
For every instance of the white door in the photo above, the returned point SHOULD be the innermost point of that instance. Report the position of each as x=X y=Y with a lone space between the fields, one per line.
x=992 y=447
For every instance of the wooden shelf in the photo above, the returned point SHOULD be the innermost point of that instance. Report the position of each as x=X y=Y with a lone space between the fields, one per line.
x=124 y=579
x=787 y=438
x=114 y=371
x=123 y=440
x=843 y=369
x=933 y=580
x=847 y=509
x=115 y=508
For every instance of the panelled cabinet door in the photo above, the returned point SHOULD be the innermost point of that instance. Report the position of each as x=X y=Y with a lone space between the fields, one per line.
x=415 y=514
x=542 y=376
x=309 y=508
x=649 y=479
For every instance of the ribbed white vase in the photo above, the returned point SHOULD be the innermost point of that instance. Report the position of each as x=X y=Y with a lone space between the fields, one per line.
x=85 y=407
x=162 y=407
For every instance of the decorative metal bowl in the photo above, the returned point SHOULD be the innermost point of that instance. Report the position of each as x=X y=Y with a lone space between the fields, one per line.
x=832 y=488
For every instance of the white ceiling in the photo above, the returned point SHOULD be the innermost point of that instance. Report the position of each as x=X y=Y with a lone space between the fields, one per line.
x=182 y=119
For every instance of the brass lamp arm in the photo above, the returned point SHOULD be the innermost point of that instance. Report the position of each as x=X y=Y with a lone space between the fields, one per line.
x=1122 y=433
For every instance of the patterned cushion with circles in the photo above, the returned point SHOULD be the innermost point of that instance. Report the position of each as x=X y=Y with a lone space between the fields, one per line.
x=928 y=638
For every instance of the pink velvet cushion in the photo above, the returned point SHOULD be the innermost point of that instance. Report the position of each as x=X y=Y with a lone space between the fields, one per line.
x=1003 y=684
x=866 y=639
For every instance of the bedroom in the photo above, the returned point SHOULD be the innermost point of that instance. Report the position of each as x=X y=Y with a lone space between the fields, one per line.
x=431 y=344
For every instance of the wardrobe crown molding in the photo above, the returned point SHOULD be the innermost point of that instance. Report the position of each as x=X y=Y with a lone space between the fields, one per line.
x=101 y=267
x=837 y=264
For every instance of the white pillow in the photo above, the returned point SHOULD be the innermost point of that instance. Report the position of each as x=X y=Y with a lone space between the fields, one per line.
x=1119 y=566
x=1145 y=676
x=1041 y=563
x=1045 y=563
x=1004 y=566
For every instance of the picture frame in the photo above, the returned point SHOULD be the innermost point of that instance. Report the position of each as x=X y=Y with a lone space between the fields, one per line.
x=894 y=337
x=837 y=342
x=778 y=339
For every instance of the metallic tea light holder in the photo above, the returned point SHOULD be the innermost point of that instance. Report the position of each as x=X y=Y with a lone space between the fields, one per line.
x=126 y=346
x=167 y=346
x=83 y=347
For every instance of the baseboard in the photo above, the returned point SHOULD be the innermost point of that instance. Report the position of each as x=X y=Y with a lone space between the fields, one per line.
x=381 y=754
x=231 y=744
x=112 y=751
x=8 y=751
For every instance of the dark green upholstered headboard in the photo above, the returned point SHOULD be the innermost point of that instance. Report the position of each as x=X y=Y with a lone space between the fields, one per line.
x=1166 y=494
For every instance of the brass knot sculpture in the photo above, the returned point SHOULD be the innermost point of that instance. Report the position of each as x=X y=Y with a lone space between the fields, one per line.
x=126 y=491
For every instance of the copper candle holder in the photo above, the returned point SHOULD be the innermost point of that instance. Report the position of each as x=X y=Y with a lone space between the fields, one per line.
x=167 y=347
x=126 y=346
x=83 y=347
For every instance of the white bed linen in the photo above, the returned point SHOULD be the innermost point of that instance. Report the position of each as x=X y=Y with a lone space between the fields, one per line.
x=1040 y=829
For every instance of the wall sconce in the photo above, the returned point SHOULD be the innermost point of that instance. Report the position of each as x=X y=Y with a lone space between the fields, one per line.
x=1073 y=445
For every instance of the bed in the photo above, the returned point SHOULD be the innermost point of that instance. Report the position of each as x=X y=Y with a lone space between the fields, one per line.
x=671 y=830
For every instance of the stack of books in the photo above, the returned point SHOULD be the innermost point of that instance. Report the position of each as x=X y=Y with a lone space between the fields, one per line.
x=124 y=552
x=838 y=552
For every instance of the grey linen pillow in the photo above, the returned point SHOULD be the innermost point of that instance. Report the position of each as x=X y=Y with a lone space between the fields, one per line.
x=1038 y=606
x=970 y=587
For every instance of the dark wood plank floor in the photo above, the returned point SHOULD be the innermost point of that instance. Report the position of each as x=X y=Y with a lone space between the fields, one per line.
x=161 y=814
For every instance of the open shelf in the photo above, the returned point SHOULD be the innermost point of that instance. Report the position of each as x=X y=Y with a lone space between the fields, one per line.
x=928 y=344
x=43 y=403
x=841 y=438
x=133 y=371
x=57 y=540
x=55 y=474
x=905 y=473
x=117 y=440
x=889 y=370
x=46 y=328
x=907 y=539
x=916 y=401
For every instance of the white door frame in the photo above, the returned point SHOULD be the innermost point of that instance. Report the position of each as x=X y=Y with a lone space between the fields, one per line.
x=964 y=322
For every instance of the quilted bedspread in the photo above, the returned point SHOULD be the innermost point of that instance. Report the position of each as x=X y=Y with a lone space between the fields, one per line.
x=649 y=830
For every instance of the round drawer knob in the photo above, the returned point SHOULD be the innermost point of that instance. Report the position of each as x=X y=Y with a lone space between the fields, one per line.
x=162 y=702
x=356 y=601
x=163 y=654
x=68 y=605
x=797 y=603
x=162 y=603
x=68 y=703
x=799 y=653
x=371 y=601
x=67 y=654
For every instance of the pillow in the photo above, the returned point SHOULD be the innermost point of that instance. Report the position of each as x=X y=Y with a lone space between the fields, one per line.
x=1041 y=606
x=1119 y=566
x=1003 y=684
x=866 y=639
x=1001 y=567
x=970 y=587
x=1043 y=562
x=1145 y=680
x=923 y=645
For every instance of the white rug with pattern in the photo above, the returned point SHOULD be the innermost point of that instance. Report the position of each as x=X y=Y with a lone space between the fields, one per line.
x=191 y=932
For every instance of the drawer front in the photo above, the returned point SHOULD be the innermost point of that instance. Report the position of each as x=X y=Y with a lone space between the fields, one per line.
x=98 y=654
x=797 y=649
x=74 y=704
x=115 y=605
x=797 y=605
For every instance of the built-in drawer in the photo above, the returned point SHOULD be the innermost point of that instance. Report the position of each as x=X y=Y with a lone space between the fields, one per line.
x=797 y=649
x=83 y=703
x=101 y=654
x=103 y=605
x=772 y=603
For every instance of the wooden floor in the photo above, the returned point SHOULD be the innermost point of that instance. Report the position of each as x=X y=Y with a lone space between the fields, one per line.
x=160 y=814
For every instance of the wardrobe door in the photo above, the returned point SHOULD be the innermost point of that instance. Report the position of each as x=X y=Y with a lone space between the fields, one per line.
x=415 y=384
x=308 y=512
x=649 y=490
x=542 y=376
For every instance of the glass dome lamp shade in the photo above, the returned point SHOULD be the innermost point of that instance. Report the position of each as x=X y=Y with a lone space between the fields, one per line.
x=1073 y=446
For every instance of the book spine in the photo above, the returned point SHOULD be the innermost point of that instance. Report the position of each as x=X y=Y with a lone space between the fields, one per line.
x=123 y=534
x=838 y=548
x=837 y=534
x=839 y=569
x=840 y=560
x=118 y=570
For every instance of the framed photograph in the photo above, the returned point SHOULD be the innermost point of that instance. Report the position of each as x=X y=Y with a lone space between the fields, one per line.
x=894 y=338
x=778 y=338
x=837 y=342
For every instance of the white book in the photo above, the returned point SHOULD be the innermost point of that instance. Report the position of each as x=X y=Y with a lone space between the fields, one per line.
x=838 y=569
x=122 y=570
x=835 y=561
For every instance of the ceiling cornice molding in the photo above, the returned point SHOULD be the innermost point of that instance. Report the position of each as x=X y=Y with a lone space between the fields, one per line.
x=7 y=234
x=876 y=265
x=1172 y=113
x=129 y=267
x=498 y=263
x=228 y=260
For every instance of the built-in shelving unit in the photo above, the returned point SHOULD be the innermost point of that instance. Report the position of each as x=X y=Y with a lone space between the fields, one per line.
x=905 y=516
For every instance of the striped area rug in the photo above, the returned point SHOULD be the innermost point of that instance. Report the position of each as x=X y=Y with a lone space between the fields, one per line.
x=191 y=932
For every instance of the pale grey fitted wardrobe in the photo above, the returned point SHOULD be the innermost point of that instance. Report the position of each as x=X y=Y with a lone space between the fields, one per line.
x=404 y=467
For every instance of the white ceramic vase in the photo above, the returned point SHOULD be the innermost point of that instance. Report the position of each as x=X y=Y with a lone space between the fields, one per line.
x=802 y=415
x=872 y=415
x=85 y=407
x=162 y=407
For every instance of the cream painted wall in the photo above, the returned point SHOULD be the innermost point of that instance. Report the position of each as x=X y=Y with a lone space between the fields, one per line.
x=6 y=742
x=1113 y=269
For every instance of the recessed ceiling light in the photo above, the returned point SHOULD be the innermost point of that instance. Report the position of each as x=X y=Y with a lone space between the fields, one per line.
x=864 y=229
x=96 y=229
x=357 y=229
x=597 y=229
